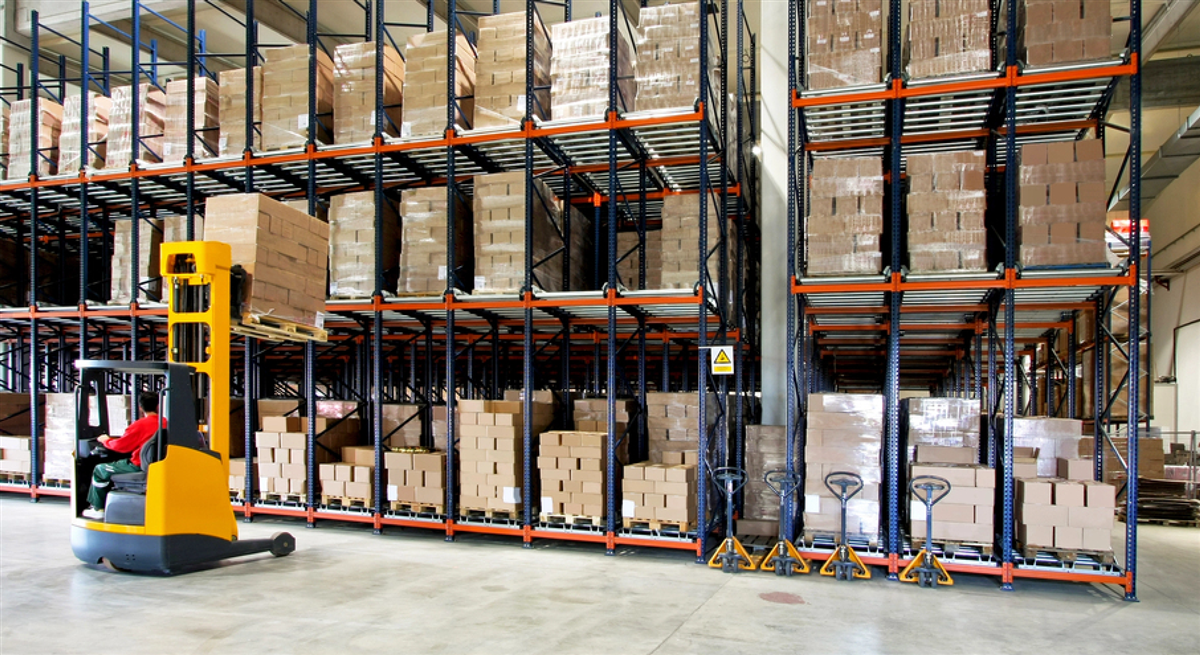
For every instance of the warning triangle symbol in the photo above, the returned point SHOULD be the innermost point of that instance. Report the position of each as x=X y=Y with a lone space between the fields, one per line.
x=722 y=358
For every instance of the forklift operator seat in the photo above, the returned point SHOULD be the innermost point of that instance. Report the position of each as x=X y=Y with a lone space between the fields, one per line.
x=136 y=482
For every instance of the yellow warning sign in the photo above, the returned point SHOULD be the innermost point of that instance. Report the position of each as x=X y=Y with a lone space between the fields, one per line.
x=721 y=360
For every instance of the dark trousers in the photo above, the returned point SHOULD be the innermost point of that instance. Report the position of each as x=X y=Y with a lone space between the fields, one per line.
x=102 y=480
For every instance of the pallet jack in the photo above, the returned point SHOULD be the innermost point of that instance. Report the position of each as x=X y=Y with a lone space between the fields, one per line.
x=925 y=569
x=174 y=513
x=845 y=564
x=783 y=559
x=731 y=556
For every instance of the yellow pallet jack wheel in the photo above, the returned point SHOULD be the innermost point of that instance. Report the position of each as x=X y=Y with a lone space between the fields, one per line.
x=925 y=569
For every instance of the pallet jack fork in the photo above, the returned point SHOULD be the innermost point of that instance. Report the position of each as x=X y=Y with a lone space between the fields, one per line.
x=845 y=564
x=732 y=556
x=784 y=559
x=925 y=569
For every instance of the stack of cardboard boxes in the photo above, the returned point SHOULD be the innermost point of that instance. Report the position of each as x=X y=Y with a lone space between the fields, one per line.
x=285 y=100
x=5 y=120
x=1063 y=197
x=499 y=215
x=844 y=434
x=282 y=451
x=661 y=495
x=151 y=112
x=16 y=455
x=948 y=38
x=668 y=57
x=354 y=92
x=1151 y=457
x=426 y=79
x=404 y=424
x=353 y=222
x=416 y=480
x=1057 y=32
x=845 y=222
x=941 y=422
x=1049 y=439
x=766 y=450
x=350 y=481
x=500 y=82
x=175 y=229
x=946 y=203
x=592 y=415
x=284 y=252
x=207 y=107
x=59 y=434
x=673 y=422
x=491 y=446
x=423 y=226
x=73 y=153
x=233 y=96
x=574 y=471
x=1065 y=514
x=237 y=476
x=20 y=139
x=150 y=234
x=627 y=269
x=579 y=70
x=679 y=244
x=965 y=514
x=845 y=43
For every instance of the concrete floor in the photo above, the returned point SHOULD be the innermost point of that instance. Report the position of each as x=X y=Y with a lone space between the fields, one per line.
x=345 y=590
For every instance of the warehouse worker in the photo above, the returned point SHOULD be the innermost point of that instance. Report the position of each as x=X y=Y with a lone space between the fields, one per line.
x=136 y=436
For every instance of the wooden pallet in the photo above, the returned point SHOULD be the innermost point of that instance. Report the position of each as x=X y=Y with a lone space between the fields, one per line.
x=283 y=498
x=481 y=513
x=417 y=508
x=272 y=328
x=345 y=502
x=950 y=547
x=571 y=519
x=14 y=478
x=56 y=482
x=657 y=526
x=1069 y=555
x=811 y=535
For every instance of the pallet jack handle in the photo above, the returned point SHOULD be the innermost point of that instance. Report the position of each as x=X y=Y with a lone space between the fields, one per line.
x=845 y=564
x=925 y=569
x=784 y=558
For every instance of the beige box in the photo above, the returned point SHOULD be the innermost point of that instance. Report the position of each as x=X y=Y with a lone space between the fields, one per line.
x=426 y=84
x=234 y=100
x=1076 y=469
x=579 y=70
x=354 y=99
x=149 y=115
x=20 y=134
x=206 y=103
x=285 y=100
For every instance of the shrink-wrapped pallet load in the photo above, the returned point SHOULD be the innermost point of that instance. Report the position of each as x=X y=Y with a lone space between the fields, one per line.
x=426 y=79
x=579 y=70
x=948 y=37
x=1063 y=196
x=73 y=153
x=150 y=116
x=946 y=203
x=423 y=218
x=354 y=92
x=206 y=102
x=845 y=222
x=845 y=43
x=668 y=57
x=355 y=224
x=844 y=434
x=1057 y=32
x=150 y=236
x=500 y=82
x=233 y=96
x=285 y=100
x=20 y=136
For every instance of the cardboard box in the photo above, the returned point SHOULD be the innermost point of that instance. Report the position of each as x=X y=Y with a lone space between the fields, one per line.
x=1075 y=469
x=83 y=141
x=426 y=81
x=233 y=90
x=150 y=117
x=206 y=103
x=287 y=82
x=354 y=99
x=20 y=133
x=500 y=83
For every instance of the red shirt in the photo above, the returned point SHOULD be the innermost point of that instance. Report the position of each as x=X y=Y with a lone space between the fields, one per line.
x=136 y=436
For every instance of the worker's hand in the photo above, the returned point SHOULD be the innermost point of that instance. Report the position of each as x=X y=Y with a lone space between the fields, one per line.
x=103 y=439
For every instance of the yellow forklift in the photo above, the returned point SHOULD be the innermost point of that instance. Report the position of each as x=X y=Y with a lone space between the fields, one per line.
x=175 y=512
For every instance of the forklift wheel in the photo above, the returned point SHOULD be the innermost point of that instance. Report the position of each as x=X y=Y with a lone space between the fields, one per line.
x=107 y=563
x=282 y=544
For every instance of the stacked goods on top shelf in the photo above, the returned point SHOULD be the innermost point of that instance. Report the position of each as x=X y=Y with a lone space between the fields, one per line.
x=591 y=415
x=1063 y=198
x=1051 y=438
x=207 y=107
x=151 y=111
x=175 y=229
x=845 y=43
x=425 y=81
x=627 y=268
x=545 y=403
x=233 y=98
x=1065 y=514
x=679 y=241
x=424 y=215
x=1056 y=32
x=73 y=153
x=20 y=133
x=948 y=38
x=416 y=481
x=59 y=434
x=150 y=235
x=844 y=434
x=500 y=82
x=579 y=70
x=5 y=120
x=491 y=446
x=1151 y=457
x=285 y=98
x=766 y=450
x=499 y=214
x=284 y=252
x=574 y=472
x=936 y=423
x=354 y=92
x=845 y=222
x=967 y=512
x=660 y=494
x=668 y=57
x=352 y=237
x=402 y=425
x=282 y=450
x=673 y=423
x=946 y=202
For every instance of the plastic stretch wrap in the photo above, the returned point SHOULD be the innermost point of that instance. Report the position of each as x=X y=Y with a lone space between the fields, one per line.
x=500 y=234
x=766 y=450
x=1063 y=197
x=286 y=122
x=579 y=70
x=668 y=57
x=150 y=234
x=175 y=229
x=59 y=435
x=673 y=424
x=627 y=268
x=934 y=424
x=352 y=233
x=71 y=148
x=844 y=433
x=679 y=241
x=284 y=252
x=354 y=97
x=845 y=222
x=966 y=514
x=423 y=255
x=207 y=104
x=946 y=204
x=4 y=123
x=425 y=83
x=1052 y=437
x=20 y=138
x=845 y=43
x=948 y=37
x=152 y=105
x=233 y=111
x=1056 y=32
x=500 y=85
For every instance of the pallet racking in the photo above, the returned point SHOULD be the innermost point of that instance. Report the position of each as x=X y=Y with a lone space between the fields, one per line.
x=935 y=328
x=415 y=349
